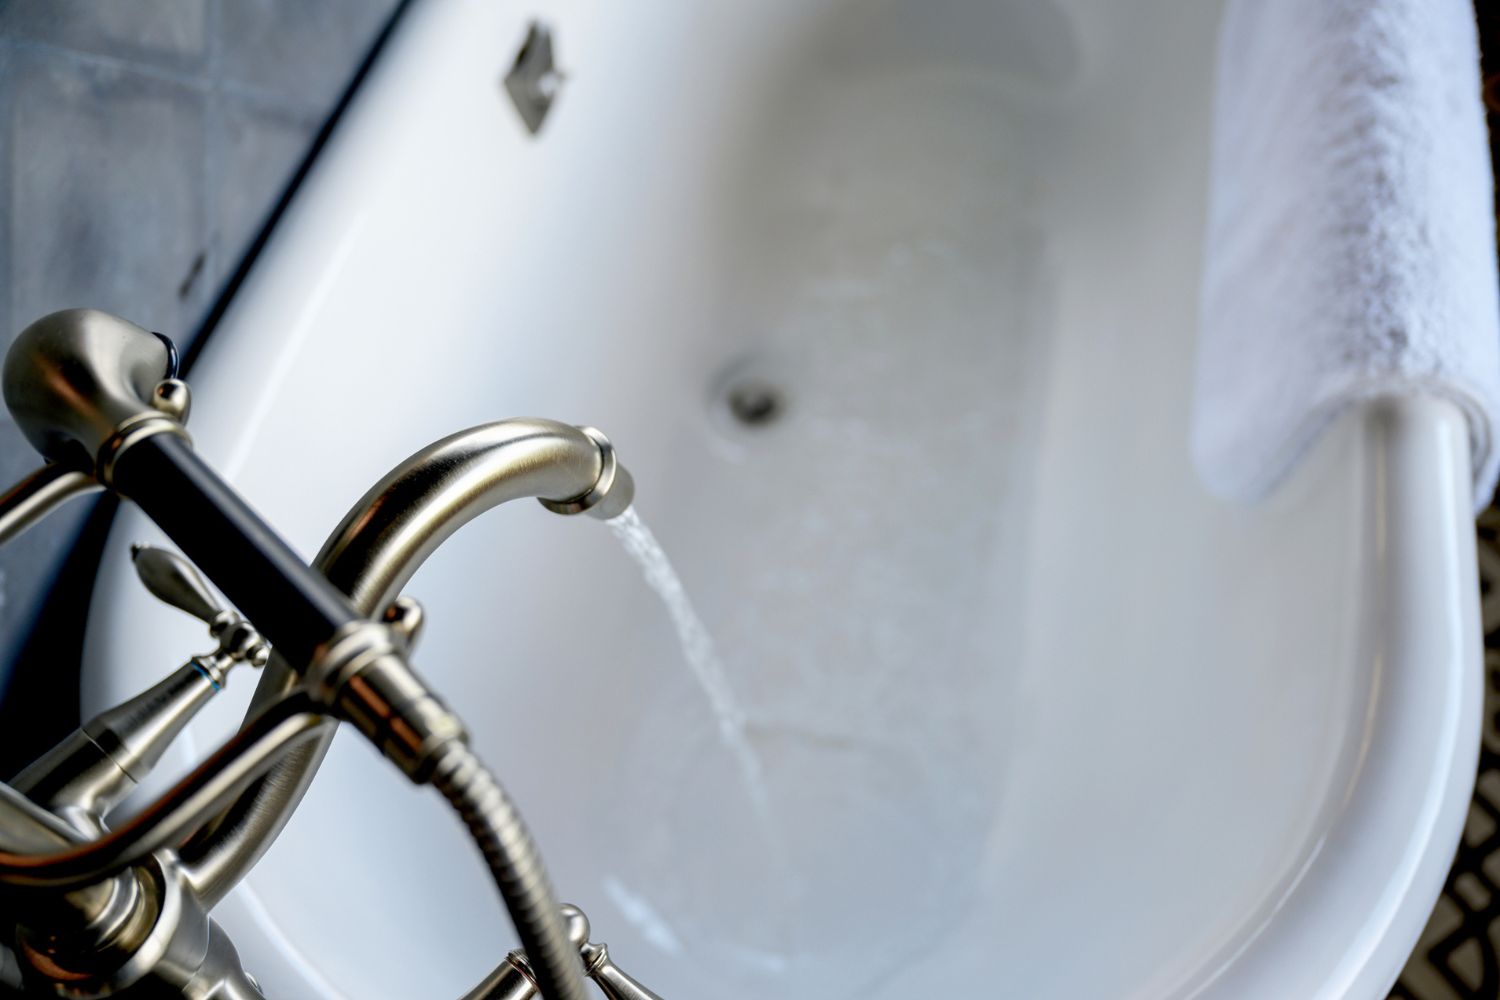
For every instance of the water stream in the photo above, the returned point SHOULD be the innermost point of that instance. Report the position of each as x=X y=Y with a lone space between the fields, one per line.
x=698 y=649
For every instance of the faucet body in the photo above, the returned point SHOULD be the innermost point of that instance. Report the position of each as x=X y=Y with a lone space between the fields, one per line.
x=100 y=912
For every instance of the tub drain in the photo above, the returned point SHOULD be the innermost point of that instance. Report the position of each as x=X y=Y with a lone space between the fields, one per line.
x=755 y=403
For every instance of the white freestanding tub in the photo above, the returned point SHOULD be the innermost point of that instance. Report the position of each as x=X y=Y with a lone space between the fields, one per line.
x=1038 y=718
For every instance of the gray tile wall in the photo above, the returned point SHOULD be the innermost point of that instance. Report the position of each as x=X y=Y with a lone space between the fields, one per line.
x=142 y=144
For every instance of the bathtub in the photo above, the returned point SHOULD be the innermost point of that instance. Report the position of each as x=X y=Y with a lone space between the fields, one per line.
x=890 y=309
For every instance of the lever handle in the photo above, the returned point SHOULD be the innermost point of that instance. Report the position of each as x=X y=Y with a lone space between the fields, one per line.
x=615 y=984
x=597 y=964
x=101 y=762
x=174 y=580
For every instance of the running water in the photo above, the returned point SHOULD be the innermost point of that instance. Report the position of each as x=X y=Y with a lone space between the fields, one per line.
x=697 y=648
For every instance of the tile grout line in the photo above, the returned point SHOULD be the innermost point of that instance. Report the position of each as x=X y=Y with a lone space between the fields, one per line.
x=204 y=82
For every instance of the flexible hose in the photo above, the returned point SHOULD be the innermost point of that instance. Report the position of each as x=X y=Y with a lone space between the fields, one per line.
x=496 y=825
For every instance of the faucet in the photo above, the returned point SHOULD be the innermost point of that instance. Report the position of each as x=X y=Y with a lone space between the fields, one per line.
x=97 y=911
x=378 y=546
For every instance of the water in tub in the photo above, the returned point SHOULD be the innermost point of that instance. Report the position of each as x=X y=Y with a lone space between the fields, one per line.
x=821 y=797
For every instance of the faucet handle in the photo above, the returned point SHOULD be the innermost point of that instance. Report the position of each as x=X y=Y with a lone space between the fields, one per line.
x=597 y=964
x=513 y=979
x=171 y=578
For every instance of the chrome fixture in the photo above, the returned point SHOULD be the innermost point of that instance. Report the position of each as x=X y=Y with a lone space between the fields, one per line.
x=97 y=911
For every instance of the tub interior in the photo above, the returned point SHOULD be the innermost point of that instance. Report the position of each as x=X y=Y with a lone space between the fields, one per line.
x=889 y=307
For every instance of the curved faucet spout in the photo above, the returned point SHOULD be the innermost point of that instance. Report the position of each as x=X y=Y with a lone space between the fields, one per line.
x=413 y=510
x=372 y=554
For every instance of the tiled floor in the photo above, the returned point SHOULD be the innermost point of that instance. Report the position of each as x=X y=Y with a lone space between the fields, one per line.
x=142 y=143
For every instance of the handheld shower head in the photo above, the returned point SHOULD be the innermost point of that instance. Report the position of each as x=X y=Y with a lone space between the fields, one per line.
x=82 y=384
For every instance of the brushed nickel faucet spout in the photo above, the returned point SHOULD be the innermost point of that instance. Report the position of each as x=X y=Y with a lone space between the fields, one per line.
x=381 y=542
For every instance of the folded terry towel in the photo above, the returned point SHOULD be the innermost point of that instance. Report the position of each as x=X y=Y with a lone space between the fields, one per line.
x=1350 y=249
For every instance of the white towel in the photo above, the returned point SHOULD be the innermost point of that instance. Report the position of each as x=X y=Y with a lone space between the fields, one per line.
x=1350 y=249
